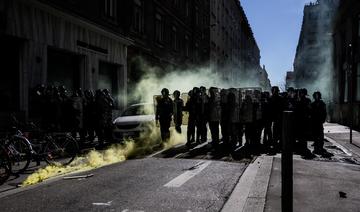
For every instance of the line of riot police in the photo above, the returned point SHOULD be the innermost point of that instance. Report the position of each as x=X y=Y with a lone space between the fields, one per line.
x=249 y=112
x=84 y=113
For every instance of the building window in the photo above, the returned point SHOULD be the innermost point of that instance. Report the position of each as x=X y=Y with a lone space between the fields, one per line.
x=346 y=89
x=197 y=52
x=139 y=16
x=357 y=97
x=175 y=3
x=187 y=46
x=174 y=38
x=196 y=16
x=187 y=8
x=110 y=8
x=159 y=28
x=359 y=25
x=108 y=78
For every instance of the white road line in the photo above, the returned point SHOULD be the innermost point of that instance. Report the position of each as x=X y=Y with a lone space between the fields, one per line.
x=102 y=203
x=184 y=177
x=195 y=148
x=163 y=150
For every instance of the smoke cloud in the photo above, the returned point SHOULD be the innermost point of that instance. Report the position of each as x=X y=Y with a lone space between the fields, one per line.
x=154 y=79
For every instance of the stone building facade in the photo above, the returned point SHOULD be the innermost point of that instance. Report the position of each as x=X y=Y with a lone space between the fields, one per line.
x=313 y=59
x=234 y=53
x=71 y=43
x=166 y=34
x=346 y=76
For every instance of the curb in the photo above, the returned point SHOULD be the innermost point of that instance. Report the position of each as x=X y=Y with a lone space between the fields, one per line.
x=250 y=192
x=345 y=150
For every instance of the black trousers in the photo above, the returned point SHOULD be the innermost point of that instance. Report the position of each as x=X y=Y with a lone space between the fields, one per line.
x=267 y=134
x=225 y=130
x=236 y=134
x=191 y=130
x=214 y=129
x=201 y=130
x=164 y=129
x=318 y=134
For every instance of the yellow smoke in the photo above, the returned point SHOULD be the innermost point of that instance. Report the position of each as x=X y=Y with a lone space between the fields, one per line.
x=148 y=143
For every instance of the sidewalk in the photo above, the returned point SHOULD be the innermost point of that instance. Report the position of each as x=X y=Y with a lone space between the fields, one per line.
x=317 y=182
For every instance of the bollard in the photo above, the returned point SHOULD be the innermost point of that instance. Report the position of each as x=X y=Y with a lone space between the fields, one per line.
x=288 y=139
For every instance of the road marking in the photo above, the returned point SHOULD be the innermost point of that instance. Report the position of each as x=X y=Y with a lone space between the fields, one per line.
x=128 y=210
x=195 y=148
x=102 y=203
x=184 y=177
x=163 y=150
x=338 y=145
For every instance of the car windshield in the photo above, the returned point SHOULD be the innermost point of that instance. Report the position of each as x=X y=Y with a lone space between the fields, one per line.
x=138 y=110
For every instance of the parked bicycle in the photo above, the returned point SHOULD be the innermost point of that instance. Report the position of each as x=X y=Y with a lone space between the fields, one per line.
x=54 y=148
x=5 y=165
x=18 y=149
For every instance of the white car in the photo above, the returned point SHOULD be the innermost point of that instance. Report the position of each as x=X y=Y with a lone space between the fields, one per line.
x=136 y=119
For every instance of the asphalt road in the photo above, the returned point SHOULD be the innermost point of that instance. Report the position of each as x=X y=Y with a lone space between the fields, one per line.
x=150 y=184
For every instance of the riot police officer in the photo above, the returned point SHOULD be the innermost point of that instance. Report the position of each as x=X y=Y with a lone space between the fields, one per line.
x=276 y=104
x=191 y=108
x=258 y=124
x=214 y=114
x=234 y=106
x=318 y=117
x=109 y=106
x=248 y=118
x=178 y=105
x=89 y=115
x=202 y=113
x=224 y=122
x=164 y=111
x=302 y=120
x=266 y=120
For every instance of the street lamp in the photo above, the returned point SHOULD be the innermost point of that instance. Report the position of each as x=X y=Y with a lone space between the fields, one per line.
x=350 y=76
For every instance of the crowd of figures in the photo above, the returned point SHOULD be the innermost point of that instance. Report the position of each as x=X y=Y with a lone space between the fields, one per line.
x=84 y=113
x=248 y=113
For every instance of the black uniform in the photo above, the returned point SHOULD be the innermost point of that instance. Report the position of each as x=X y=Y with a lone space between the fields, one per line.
x=164 y=111
x=224 y=122
x=191 y=108
x=318 y=116
x=89 y=115
x=202 y=100
x=266 y=120
x=276 y=105
x=214 y=116
x=234 y=106
x=302 y=122
x=178 y=105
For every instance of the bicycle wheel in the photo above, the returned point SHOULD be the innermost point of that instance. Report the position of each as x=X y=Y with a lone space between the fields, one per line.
x=5 y=166
x=19 y=151
x=61 y=150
